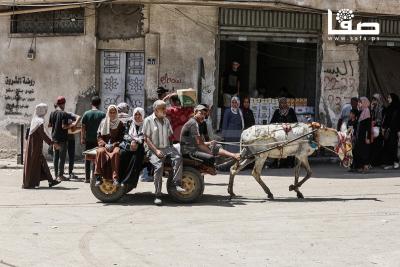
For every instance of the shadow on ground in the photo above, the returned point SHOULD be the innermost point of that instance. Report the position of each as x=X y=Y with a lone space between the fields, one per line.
x=146 y=198
x=328 y=171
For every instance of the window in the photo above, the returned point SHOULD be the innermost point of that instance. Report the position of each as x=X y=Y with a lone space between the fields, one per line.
x=68 y=21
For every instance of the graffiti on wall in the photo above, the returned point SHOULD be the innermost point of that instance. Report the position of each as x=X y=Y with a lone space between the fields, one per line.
x=18 y=94
x=168 y=79
x=339 y=82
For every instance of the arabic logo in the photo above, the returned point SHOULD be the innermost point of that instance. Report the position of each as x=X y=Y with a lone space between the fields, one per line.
x=344 y=14
x=344 y=17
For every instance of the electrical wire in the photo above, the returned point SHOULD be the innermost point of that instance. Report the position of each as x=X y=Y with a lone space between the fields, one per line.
x=55 y=4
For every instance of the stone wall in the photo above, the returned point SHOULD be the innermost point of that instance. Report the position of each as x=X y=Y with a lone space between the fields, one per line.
x=185 y=34
x=63 y=65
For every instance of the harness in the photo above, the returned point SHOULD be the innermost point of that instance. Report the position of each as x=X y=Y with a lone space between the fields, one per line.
x=342 y=149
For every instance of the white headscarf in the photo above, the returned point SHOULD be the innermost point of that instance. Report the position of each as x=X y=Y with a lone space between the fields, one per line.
x=237 y=110
x=38 y=117
x=107 y=124
x=132 y=130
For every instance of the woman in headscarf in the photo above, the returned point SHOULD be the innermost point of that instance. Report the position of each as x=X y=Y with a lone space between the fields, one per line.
x=110 y=135
x=248 y=115
x=36 y=168
x=132 y=153
x=233 y=124
x=390 y=129
x=284 y=114
x=362 y=146
x=123 y=114
x=376 y=118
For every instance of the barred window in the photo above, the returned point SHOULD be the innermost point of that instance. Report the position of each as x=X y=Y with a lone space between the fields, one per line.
x=68 y=21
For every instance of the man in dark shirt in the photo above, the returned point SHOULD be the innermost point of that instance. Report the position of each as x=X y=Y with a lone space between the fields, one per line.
x=230 y=87
x=193 y=145
x=231 y=83
x=90 y=123
x=58 y=121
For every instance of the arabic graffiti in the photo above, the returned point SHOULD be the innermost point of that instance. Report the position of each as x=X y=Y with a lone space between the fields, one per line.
x=19 y=80
x=344 y=17
x=342 y=71
x=18 y=94
x=167 y=79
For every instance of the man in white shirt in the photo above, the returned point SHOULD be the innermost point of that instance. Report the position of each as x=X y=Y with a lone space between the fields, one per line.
x=157 y=131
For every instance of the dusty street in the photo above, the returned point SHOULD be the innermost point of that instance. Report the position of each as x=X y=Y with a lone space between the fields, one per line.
x=345 y=220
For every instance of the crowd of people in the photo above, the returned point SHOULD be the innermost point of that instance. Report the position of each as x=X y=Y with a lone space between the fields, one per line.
x=374 y=126
x=122 y=139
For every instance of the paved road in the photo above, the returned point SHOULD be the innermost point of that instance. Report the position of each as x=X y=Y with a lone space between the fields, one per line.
x=345 y=220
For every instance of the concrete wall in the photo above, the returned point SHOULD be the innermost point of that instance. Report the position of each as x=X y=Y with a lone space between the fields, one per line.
x=63 y=65
x=185 y=34
x=339 y=77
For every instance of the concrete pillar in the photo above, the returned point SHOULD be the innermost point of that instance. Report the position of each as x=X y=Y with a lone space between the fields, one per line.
x=252 y=67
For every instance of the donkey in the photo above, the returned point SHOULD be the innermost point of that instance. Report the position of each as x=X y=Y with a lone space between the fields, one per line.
x=260 y=142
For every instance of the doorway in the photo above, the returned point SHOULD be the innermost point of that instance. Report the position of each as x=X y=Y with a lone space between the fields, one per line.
x=122 y=78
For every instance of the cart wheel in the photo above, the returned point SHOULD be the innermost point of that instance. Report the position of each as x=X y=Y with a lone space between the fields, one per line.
x=128 y=188
x=192 y=181
x=106 y=192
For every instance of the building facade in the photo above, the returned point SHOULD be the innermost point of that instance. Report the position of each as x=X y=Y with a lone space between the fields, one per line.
x=123 y=52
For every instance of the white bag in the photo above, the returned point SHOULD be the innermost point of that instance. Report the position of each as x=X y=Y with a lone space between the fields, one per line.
x=375 y=131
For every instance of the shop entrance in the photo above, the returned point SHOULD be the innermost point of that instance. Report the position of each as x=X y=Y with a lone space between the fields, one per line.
x=383 y=70
x=269 y=68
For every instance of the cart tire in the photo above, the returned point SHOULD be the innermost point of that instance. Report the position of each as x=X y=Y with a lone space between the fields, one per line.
x=193 y=181
x=129 y=188
x=106 y=192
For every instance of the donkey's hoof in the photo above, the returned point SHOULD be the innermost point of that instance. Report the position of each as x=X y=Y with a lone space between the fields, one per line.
x=300 y=195
x=271 y=196
x=291 y=187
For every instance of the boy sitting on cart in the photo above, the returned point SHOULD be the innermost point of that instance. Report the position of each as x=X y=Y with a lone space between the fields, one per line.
x=193 y=145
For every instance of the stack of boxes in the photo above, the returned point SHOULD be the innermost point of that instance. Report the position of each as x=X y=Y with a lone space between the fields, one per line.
x=264 y=108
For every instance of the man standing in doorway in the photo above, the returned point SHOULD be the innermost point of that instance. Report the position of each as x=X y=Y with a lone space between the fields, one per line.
x=90 y=123
x=58 y=121
x=230 y=86
x=231 y=83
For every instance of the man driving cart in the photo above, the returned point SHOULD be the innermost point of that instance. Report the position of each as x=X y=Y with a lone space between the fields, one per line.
x=193 y=145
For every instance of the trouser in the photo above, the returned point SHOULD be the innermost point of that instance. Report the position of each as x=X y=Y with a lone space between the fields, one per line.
x=59 y=159
x=71 y=153
x=390 y=149
x=206 y=158
x=89 y=145
x=176 y=160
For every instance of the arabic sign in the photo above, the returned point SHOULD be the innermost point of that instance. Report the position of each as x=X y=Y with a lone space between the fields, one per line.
x=344 y=17
x=18 y=94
